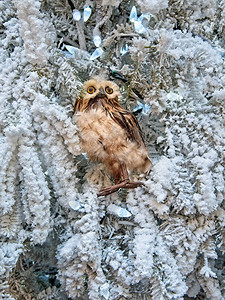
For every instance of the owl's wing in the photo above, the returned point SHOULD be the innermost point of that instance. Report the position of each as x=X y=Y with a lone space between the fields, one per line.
x=78 y=105
x=129 y=123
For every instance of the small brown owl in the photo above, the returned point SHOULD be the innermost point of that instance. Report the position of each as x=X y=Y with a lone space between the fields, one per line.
x=110 y=134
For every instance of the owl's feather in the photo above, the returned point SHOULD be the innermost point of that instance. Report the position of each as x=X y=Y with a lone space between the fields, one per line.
x=110 y=134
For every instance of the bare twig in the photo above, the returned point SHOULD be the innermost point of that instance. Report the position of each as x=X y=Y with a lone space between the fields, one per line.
x=81 y=36
x=101 y=18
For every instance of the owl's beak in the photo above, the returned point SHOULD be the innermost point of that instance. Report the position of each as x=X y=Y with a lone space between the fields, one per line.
x=101 y=93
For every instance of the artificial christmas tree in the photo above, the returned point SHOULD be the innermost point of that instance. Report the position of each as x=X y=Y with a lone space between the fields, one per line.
x=164 y=240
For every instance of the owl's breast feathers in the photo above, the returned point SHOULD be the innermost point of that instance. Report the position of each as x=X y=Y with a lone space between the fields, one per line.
x=111 y=107
x=108 y=131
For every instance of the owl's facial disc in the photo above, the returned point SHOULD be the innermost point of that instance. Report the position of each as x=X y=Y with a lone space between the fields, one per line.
x=101 y=89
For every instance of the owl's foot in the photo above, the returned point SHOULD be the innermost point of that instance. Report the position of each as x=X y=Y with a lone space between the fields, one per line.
x=114 y=188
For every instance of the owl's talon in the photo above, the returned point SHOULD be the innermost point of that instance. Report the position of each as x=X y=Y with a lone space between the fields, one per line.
x=132 y=185
x=114 y=188
x=107 y=191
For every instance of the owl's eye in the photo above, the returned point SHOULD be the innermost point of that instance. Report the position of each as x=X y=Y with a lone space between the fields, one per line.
x=91 y=90
x=108 y=90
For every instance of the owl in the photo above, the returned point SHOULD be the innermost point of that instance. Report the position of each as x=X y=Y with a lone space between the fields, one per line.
x=110 y=134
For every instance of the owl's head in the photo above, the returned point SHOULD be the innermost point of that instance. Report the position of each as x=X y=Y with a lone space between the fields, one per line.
x=99 y=87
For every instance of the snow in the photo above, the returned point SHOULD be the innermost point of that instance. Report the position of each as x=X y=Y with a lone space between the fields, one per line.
x=152 y=6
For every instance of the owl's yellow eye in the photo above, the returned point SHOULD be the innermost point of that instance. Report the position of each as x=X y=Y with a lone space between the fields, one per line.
x=91 y=90
x=108 y=90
